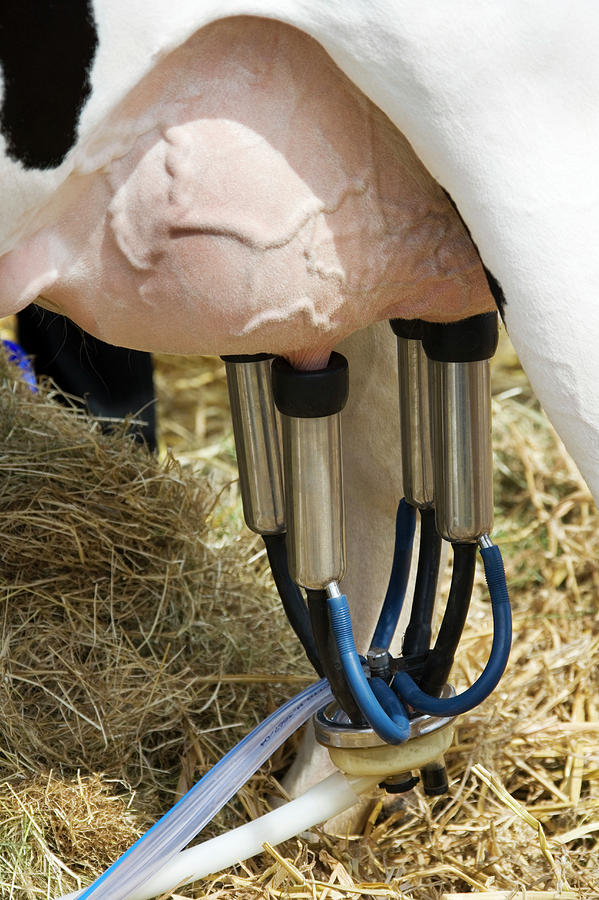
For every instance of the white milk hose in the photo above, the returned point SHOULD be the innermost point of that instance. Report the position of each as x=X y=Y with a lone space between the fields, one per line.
x=325 y=800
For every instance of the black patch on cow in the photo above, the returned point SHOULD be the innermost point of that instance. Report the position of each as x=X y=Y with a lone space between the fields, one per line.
x=494 y=285
x=496 y=290
x=46 y=52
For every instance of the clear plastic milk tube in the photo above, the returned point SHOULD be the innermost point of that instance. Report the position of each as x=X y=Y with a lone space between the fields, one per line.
x=199 y=805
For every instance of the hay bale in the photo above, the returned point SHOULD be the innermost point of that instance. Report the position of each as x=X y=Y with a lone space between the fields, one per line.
x=55 y=824
x=130 y=628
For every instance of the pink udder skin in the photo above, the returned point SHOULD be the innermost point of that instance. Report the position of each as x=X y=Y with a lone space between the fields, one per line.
x=251 y=200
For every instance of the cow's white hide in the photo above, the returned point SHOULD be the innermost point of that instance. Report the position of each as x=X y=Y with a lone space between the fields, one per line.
x=501 y=103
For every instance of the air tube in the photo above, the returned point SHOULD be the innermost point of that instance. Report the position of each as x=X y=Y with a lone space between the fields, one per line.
x=410 y=693
x=181 y=823
x=394 y=730
x=405 y=522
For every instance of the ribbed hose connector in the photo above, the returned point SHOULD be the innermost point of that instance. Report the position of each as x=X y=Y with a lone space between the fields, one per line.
x=342 y=625
x=495 y=574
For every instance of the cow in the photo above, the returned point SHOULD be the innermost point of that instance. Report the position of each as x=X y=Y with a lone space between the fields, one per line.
x=244 y=177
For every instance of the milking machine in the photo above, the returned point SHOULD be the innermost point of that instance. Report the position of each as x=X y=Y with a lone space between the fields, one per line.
x=391 y=715
x=382 y=717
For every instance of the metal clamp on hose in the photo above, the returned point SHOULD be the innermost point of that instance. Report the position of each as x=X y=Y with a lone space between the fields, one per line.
x=374 y=697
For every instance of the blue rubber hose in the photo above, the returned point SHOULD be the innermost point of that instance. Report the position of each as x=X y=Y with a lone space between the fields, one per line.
x=405 y=523
x=326 y=646
x=411 y=694
x=389 y=701
x=394 y=728
x=417 y=638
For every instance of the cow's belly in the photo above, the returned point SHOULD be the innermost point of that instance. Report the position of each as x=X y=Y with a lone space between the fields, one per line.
x=251 y=199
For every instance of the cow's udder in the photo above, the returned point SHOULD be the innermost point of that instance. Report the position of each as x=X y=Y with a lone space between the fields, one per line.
x=263 y=204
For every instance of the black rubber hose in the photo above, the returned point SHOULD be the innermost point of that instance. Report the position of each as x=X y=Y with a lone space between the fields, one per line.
x=440 y=659
x=329 y=655
x=417 y=638
x=291 y=597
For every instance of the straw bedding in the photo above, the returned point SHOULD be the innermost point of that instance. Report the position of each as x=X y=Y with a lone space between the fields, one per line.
x=140 y=638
